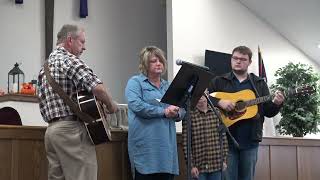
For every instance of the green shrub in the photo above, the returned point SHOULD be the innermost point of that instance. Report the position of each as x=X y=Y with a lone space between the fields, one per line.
x=300 y=113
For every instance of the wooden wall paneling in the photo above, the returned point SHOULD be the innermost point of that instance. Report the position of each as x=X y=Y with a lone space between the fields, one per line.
x=23 y=157
x=182 y=164
x=126 y=166
x=22 y=153
x=31 y=154
x=308 y=163
x=110 y=161
x=5 y=159
x=263 y=164
x=15 y=159
x=283 y=161
x=43 y=162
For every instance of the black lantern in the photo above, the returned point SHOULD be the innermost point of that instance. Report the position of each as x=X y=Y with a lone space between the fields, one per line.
x=15 y=79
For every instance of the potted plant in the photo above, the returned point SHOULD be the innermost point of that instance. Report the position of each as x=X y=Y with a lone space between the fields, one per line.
x=300 y=113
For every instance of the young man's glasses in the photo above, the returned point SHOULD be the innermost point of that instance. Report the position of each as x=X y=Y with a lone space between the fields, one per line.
x=235 y=58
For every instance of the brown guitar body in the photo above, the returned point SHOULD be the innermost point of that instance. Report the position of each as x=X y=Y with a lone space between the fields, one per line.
x=241 y=111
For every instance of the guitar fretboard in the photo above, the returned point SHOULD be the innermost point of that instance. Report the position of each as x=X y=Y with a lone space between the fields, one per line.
x=258 y=100
x=287 y=93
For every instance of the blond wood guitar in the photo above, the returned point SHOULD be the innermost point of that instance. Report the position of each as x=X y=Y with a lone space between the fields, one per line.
x=246 y=103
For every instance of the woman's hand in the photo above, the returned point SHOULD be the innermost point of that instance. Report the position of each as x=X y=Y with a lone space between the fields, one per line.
x=171 y=111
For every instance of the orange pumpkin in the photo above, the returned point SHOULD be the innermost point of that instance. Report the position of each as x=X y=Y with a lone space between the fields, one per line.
x=27 y=88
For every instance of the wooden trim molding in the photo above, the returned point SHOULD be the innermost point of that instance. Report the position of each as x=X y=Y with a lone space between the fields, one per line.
x=290 y=141
x=19 y=97
x=22 y=132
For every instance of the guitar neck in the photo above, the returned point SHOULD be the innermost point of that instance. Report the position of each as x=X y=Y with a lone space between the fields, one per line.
x=258 y=100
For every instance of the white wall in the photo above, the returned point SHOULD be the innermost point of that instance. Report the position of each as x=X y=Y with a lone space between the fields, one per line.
x=28 y=111
x=116 y=31
x=22 y=38
x=221 y=25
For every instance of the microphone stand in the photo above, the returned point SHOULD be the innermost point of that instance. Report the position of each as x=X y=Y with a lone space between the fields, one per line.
x=222 y=129
x=187 y=106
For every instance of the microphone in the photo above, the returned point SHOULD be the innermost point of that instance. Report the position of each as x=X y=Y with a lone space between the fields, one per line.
x=180 y=62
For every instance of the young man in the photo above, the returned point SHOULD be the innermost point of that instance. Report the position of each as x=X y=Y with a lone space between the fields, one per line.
x=205 y=155
x=248 y=132
x=70 y=153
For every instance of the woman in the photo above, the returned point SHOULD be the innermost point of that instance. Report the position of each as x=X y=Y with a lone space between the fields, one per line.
x=152 y=142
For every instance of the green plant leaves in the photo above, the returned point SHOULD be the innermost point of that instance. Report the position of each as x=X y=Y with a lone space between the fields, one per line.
x=300 y=114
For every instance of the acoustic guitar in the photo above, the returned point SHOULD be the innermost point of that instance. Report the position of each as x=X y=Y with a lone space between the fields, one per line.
x=98 y=130
x=246 y=103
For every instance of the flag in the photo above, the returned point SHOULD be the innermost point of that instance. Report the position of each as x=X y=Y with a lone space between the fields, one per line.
x=262 y=70
x=83 y=8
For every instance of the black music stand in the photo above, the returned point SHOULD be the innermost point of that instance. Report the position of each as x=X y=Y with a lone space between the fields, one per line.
x=185 y=91
x=192 y=79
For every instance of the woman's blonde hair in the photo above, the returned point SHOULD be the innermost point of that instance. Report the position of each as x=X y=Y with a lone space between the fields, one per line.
x=145 y=55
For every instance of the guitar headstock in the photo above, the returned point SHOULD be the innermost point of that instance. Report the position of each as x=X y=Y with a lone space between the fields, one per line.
x=302 y=90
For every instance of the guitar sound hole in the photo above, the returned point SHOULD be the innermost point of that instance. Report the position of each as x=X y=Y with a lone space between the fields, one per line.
x=240 y=106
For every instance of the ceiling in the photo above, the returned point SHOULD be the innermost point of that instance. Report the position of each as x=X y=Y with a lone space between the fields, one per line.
x=296 y=20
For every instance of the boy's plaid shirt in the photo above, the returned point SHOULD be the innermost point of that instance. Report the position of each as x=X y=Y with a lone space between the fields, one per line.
x=205 y=146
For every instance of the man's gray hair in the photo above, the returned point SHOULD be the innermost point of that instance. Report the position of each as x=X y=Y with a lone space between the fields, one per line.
x=67 y=30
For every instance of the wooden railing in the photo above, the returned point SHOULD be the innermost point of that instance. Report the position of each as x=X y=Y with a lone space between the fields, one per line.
x=288 y=158
x=22 y=153
x=22 y=157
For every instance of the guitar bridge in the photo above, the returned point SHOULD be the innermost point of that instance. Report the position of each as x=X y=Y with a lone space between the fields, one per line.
x=232 y=115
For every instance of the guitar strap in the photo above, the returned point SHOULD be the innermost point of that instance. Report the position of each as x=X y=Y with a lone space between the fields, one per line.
x=255 y=90
x=74 y=107
x=252 y=84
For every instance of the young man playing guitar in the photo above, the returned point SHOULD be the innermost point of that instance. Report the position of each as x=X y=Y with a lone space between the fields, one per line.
x=248 y=133
x=70 y=153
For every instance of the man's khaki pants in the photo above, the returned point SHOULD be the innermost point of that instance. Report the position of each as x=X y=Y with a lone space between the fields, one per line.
x=70 y=153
